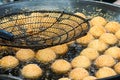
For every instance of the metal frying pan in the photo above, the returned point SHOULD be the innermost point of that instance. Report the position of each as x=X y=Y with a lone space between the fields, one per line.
x=109 y=11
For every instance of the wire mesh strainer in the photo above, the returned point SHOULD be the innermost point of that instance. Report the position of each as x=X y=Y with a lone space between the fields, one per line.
x=41 y=29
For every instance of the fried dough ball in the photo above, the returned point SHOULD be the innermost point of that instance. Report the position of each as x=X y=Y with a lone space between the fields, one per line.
x=108 y=38
x=21 y=19
x=117 y=67
x=113 y=51
x=64 y=79
x=90 y=53
x=117 y=34
x=80 y=14
x=71 y=42
x=98 y=21
x=3 y=47
x=69 y=22
x=85 y=39
x=74 y=22
x=25 y=54
x=61 y=66
x=15 y=20
x=105 y=72
x=90 y=78
x=30 y=28
x=45 y=55
x=42 y=19
x=48 y=19
x=60 y=49
x=105 y=61
x=16 y=49
x=31 y=71
x=34 y=17
x=7 y=23
x=9 y=62
x=98 y=45
x=36 y=14
x=80 y=61
x=112 y=26
x=78 y=74
x=84 y=25
x=97 y=31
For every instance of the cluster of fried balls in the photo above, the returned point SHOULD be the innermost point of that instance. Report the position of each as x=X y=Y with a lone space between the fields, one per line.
x=101 y=49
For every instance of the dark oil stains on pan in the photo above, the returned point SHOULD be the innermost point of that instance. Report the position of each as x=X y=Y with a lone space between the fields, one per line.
x=90 y=8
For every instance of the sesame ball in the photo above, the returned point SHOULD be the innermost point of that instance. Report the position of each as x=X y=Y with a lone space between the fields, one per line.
x=90 y=53
x=105 y=61
x=61 y=66
x=45 y=55
x=78 y=74
x=31 y=71
x=9 y=62
x=81 y=61
x=25 y=54
x=105 y=72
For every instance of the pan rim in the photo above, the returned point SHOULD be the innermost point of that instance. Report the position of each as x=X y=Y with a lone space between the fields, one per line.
x=98 y=2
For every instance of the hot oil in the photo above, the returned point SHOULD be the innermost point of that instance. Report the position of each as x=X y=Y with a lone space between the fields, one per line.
x=48 y=74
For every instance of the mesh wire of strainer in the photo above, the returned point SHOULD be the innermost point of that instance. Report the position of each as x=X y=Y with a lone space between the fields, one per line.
x=41 y=29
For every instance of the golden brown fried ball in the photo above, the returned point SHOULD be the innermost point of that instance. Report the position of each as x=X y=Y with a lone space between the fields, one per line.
x=21 y=19
x=61 y=66
x=80 y=14
x=85 y=39
x=98 y=45
x=31 y=71
x=45 y=55
x=84 y=25
x=71 y=42
x=108 y=38
x=105 y=72
x=97 y=31
x=16 y=49
x=42 y=20
x=64 y=79
x=105 y=61
x=60 y=49
x=78 y=74
x=3 y=47
x=69 y=22
x=34 y=17
x=25 y=54
x=90 y=53
x=0 y=61
x=6 y=22
x=117 y=67
x=113 y=51
x=16 y=20
x=112 y=27
x=90 y=78
x=80 y=61
x=36 y=14
x=75 y=22
x=48 y=19
x=9 y=62
x=96 y=21
x=30 y=28
x=117 y=34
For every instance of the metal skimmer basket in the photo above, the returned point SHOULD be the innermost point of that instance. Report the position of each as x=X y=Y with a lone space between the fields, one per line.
x=41 y=29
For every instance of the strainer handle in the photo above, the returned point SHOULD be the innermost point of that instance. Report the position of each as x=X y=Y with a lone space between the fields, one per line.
x=6 y=35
